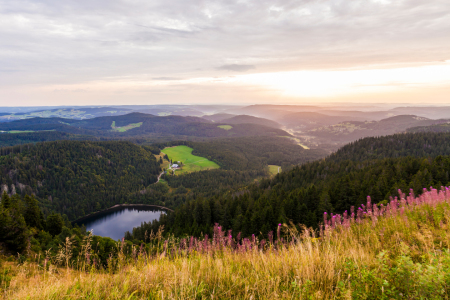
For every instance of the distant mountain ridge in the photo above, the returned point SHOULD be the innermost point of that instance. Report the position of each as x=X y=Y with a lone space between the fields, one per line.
x=144 y=125
x=246 y=119
x=354 y=130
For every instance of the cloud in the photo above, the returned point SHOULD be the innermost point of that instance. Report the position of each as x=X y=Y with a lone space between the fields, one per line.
x=166 y=78
x=63 y=42
x=236 y=67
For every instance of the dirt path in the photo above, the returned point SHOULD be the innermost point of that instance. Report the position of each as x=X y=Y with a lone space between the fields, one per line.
x=159 y=177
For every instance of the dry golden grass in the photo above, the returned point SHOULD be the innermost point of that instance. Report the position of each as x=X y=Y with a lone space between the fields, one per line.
x=310 y=268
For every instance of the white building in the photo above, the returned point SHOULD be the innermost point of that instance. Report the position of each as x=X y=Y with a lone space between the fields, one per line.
x=174 y=166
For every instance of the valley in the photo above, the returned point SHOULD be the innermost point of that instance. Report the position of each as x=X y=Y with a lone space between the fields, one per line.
x=261 y=174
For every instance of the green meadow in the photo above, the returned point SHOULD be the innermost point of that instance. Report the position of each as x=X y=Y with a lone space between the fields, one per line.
x=23 y=131
x=274 y=170
x=125 y=128
x=226 y=127
x=20 y=131
x=191 y=163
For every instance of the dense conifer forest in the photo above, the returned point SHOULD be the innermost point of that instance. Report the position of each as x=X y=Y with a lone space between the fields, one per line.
x=251 y=153
x=13 y=139
x=151 y=126
x=380 y=167
x=25 y=229
x=79 y=177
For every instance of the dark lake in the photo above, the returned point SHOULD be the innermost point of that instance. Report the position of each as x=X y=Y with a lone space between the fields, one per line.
x=115 y=223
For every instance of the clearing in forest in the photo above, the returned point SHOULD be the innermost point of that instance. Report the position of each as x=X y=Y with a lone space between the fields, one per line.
x=274 y=170
x=191 y=163
x=125 y=128
x=226 y=127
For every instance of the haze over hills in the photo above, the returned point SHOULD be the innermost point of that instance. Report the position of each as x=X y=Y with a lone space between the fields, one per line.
x=225 y=149
x=11 y=113
x=346 y=132
x=218 y=117
x=58 y=170
x=139 y=124
x=244 y=119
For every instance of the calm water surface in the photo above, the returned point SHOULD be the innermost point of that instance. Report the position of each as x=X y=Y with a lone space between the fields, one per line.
x=114 y=224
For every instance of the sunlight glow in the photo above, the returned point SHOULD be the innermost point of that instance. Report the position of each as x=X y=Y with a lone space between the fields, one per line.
x=335 y=83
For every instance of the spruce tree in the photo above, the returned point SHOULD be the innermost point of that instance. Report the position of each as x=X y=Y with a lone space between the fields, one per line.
x=32 y=212
x=6 y=201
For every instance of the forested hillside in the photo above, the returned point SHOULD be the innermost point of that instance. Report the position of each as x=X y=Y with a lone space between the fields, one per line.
x=346 y=132
x=76 y=178
x=303 y=194
x=333 y=185
x=444 y=127
x=142 y=125
x=251 y=153
x=12 y=139
x=397 y=145
x=245 y=119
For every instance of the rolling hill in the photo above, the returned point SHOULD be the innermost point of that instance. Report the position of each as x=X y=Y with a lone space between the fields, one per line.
x=218 y=117
x=68 y=113
x=151 y=126
x=79 y=177
x=245 y=119
x=309 y=120
x=351 y=131
x=333 y=185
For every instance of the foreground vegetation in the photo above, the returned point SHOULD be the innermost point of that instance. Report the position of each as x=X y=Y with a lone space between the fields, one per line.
x=397 y=251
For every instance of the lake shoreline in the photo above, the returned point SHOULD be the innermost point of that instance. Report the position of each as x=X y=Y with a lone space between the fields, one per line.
x=117 y=207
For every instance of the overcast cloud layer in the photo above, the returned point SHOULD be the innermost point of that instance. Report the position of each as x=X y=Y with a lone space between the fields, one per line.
x=141 y=51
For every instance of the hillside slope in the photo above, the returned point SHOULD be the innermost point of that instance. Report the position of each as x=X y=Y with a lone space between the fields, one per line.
x=351 y=131
x=245 y=119
x=76 y=178
x=397 y=145
x=394 y=252
x=333 y=184
x=141 y=125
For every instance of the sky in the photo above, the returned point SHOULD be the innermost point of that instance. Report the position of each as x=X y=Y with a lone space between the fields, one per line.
x=110 y=52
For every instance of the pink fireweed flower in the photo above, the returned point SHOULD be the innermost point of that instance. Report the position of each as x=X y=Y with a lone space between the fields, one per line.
x=191 y=243
x=263 y=243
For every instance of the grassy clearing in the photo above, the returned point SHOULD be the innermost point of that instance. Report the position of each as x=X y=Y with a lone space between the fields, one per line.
x=125 y=128
x=19 y=131
x=191 y=163
x=24 y=131
x=226 y=127
x=401 y=252
x=274 y=170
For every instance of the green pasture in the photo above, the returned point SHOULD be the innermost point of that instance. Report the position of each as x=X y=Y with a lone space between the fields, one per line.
x=191 y=163
x=125 y=128
x=20 y=131
x=24 y=131
x=274 y=170
x=226 y=127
